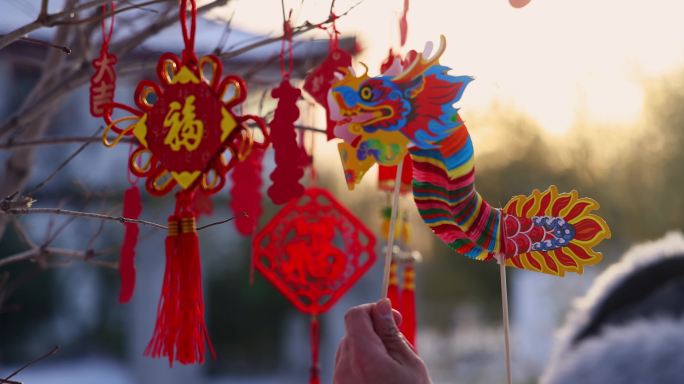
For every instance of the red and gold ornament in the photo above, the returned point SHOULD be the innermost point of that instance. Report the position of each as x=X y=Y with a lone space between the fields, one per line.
x=187 y=135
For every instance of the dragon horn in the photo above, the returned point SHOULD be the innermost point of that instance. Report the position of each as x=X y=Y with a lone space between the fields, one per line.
x=420 y=65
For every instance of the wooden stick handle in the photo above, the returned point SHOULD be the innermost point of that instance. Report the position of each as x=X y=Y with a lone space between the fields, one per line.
x=392 y=224
x=504 y=309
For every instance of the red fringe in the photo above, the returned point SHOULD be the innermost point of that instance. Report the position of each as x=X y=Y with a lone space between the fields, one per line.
x=131 y=209
x=180 y=332
x=393 y=288
x=246 y=192
x=408 y=306
x=314 y=374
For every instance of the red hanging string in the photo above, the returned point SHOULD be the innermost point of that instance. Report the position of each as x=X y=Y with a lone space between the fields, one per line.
x=131 y=209
x=286 y=42
x=314 y=373
x=107 y=34
x=188 y=36
x=403 y=24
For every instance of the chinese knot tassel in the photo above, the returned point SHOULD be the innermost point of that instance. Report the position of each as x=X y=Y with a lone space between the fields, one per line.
x=408 y=306
x=180 y=332
x=393 y=287
x=131 y=210
x=314 y=375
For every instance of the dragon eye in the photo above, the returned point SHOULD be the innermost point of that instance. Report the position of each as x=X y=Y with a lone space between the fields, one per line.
x=366 y=93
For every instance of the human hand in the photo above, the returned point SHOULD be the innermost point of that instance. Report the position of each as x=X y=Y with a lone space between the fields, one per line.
x=373 y=351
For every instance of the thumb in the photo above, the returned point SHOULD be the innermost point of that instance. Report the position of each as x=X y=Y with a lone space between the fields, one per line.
x=386 y=328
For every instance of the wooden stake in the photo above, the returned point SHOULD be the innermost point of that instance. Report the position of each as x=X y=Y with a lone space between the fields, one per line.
x=392 y=224
x=504 y=309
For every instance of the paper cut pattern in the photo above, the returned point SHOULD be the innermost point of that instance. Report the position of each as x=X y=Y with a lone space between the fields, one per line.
x=313 y=251
x=378 y=118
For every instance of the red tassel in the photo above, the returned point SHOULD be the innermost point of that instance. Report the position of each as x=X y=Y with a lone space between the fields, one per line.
x=408 y=325
x=314 y=375
x=131 y=209
x=246 y=192
x=180 y=332
x=393 y=288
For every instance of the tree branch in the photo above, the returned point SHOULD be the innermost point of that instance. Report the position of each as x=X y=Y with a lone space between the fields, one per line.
x=12 y=144
x=92 y=215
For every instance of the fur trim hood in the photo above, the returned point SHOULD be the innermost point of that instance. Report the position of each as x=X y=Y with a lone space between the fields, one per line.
x=629 y=328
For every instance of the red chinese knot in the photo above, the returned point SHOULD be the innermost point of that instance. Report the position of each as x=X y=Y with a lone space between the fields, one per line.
x=313 y=251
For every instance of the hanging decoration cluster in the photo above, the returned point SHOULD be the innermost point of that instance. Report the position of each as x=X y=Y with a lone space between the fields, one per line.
x=313 y=250
x=187 y=135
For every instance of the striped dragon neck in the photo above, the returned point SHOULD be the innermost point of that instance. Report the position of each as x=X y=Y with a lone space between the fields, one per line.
x=444 y=191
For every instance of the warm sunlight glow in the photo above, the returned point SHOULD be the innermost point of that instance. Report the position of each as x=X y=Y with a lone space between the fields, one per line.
x=556 y=62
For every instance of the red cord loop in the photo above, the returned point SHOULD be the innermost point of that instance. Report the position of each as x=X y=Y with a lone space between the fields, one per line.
x=188 y=55
x=107 y=34
x=287 y=42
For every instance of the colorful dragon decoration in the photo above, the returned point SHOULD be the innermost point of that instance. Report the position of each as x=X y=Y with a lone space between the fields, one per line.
x=410 y=108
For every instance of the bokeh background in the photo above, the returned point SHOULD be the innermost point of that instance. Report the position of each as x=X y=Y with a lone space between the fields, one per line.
x=586 y=95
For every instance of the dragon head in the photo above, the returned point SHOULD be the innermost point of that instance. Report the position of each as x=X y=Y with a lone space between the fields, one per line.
x=378 y=117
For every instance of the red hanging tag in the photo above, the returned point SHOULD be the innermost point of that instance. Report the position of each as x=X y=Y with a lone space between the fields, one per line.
x=318 y=82
x=103 y=81
x=246 y=192
x=131 y=210
x=289 y=167
x=288 y=158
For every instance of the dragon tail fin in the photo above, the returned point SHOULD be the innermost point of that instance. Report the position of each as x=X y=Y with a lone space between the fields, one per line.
x=552 y=232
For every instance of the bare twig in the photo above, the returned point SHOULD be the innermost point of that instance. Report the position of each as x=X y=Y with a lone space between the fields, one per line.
x=39 y=358
x=92 y=215
x=216 y=223
x=37 y=252
x=23 y=234
x=44 y=20
x=105 y=15
x=100 y=216
x=11 y=144
x=62 y=165
x=224 y=36
x=62 y=48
